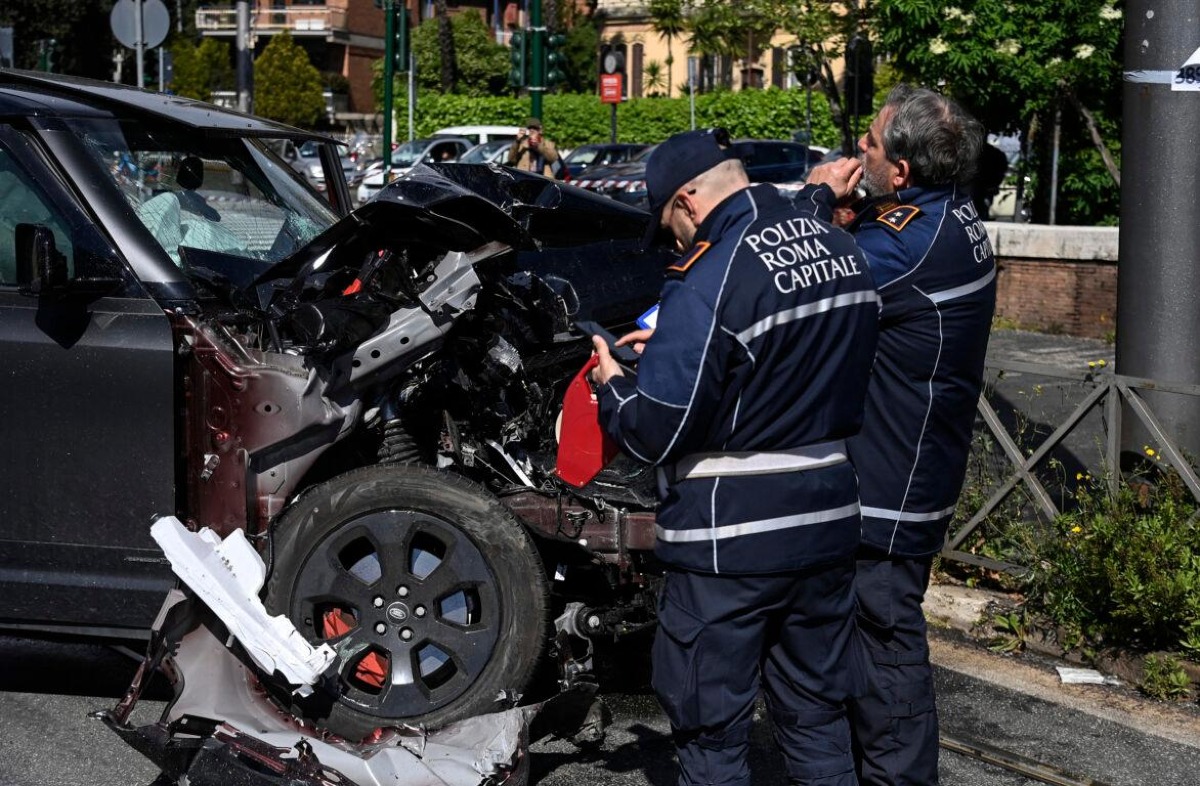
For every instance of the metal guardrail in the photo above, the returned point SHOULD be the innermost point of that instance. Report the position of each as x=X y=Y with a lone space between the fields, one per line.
x=1110 y=391
x=296 y=20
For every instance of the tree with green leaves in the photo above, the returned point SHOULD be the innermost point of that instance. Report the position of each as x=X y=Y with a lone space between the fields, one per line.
x=1018 y=67
x=201 y=70
x=653 y=79
x=287 y=87
x=821 y=30
x=447 y=52
x=669 y=20
x=550 y=15
x=741 y=31
x=73 y=26
x=482 y=64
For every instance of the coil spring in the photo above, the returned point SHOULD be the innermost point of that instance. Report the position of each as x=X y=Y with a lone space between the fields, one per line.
x=398 y=446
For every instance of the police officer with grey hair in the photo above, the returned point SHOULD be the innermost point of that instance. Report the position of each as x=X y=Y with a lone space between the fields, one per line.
x=744 y=395
x=933 y=264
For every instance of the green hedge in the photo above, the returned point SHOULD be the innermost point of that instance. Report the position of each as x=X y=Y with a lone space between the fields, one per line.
x=573 y=119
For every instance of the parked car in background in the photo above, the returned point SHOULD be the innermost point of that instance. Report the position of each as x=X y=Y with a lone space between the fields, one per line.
x=493 y=152
x=431 y=150
x=496 y=152
x=586 y=157
x=304 y=159
x=615 y=180
x=771 y=161
x=766 y=161
x=481 y=134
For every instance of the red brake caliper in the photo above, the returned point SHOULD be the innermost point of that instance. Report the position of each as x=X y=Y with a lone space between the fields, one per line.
x=371 y=669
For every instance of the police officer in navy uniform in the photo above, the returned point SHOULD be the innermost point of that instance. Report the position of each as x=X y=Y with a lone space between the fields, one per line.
x=933 y=264
x=744 y=395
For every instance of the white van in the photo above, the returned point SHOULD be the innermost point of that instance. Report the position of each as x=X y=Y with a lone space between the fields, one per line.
x=481 y=134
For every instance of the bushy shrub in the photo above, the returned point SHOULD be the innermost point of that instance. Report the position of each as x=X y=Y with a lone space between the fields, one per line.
x=1163 y=677
x=575 y=119
x=201 y=69
x=1125 y=571
x=287 y=86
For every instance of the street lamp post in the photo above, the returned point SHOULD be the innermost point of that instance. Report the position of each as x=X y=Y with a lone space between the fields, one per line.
x=537 y=56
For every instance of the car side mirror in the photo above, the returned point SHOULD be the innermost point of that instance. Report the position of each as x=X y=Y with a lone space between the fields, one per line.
x=41 y=267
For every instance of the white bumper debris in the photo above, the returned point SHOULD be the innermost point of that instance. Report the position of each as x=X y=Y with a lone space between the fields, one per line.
x=227 y=575
x=486 y=749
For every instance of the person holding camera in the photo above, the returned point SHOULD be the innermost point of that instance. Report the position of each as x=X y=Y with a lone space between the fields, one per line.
x=531 y=151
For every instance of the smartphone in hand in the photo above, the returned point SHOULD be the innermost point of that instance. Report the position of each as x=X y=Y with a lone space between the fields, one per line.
x=624 y=354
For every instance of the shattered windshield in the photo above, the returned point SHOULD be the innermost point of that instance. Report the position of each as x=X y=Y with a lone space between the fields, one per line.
x=224 y=194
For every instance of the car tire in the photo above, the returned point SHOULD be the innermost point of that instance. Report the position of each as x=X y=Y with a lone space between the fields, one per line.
x=417 y=575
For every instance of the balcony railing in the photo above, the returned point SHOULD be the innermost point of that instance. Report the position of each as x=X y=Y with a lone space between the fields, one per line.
x=298 y=21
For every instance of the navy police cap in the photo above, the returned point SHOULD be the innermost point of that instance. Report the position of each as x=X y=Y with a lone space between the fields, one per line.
x=678 y=161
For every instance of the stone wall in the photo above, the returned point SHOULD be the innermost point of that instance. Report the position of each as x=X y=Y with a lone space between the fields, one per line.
x=1056 y=279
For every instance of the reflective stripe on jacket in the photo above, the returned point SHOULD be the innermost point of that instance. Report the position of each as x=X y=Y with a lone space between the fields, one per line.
x=764 y=343
x=937 y=285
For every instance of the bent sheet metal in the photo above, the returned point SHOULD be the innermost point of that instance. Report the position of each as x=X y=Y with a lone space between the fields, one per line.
x=222 y=727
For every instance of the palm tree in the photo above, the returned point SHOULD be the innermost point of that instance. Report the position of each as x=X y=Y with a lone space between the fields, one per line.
x=708 y=32
x=669 y=21
x=653 y=79
x=446 y=47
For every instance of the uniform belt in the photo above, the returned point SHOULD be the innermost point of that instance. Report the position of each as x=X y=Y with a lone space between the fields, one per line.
x=734 y=464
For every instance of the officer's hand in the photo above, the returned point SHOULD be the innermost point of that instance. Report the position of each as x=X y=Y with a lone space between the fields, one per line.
x=638 y=338
x=841 y=175
x=607 y=367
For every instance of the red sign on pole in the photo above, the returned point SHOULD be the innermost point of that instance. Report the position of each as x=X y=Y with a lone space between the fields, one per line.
x=610 y=88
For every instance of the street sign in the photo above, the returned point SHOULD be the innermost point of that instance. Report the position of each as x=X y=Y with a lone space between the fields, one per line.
x=610 y=88
x=156 y=21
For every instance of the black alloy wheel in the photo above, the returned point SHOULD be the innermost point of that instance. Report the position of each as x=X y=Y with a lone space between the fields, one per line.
x=430 y=591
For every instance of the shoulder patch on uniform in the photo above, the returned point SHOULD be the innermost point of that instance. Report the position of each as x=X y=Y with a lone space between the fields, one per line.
x=899 y=216
x=686 y=262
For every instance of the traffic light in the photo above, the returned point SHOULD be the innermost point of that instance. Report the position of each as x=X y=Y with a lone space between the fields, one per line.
x=860 y=76
x=804 y=66
x=518 y=55
x=402 y=42
x=556 y=59
x=46 y=48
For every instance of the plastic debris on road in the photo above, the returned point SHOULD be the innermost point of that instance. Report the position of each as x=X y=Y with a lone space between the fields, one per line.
x=1076 y=676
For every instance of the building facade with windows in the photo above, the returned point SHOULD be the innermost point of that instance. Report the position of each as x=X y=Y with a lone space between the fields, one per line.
x=342 y=37
x=628 y=24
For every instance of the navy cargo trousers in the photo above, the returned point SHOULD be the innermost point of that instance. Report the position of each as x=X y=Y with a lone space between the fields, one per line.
x=721 y=637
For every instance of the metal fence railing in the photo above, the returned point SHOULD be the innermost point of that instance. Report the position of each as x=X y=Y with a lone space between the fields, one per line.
x=1107 y=392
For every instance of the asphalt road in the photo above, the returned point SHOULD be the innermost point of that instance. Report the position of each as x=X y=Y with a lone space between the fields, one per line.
x=47 y=690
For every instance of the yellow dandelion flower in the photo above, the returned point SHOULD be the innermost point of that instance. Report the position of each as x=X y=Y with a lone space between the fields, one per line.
x=1077 y=529
x=1079 y=476
x=1102 y=362
x=1150 y=451
x=1091 y=364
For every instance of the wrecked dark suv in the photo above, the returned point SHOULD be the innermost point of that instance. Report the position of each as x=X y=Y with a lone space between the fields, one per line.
x=371 y=396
